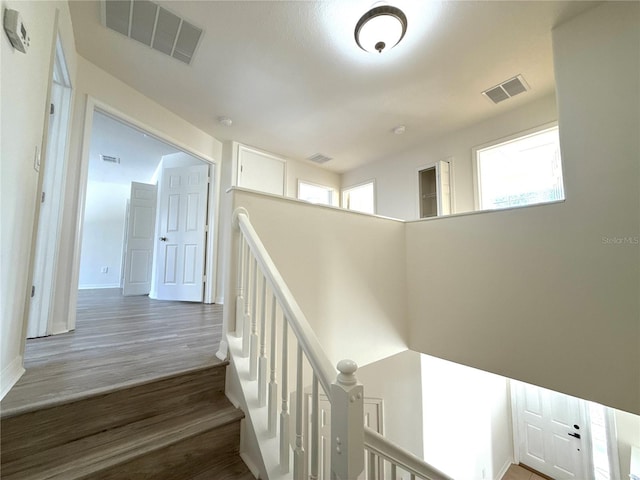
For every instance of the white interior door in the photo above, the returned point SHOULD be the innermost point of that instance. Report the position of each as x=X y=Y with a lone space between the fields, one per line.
x=182 y=233
x=553 y=434
x=140 y=234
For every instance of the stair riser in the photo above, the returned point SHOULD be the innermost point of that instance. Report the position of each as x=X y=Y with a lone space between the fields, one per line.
x=211 y=451
x=30 y=433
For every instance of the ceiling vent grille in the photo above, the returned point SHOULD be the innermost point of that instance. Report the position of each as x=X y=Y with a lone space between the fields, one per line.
x=110 y=159
x=507 y=89
x=319 y=158
x=153 y=25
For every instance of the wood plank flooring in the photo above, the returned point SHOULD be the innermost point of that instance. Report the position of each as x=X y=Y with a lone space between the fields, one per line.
x=118 y=341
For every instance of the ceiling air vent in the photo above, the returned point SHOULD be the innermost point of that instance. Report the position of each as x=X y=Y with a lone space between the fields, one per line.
x=319 y=158
x=110 y=159
x=153 y=25
x=507 y=89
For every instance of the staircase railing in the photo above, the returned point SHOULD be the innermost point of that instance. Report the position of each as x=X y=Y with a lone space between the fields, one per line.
x=265 y=312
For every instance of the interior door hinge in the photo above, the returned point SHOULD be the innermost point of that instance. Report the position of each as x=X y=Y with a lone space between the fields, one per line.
x=204 y=278
x=206 y=228
x=52 y=109
x=42 y=198
x=33 y=291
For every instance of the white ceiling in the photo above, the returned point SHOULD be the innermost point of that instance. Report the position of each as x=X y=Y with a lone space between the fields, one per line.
x=139 y=152
x=295 y=83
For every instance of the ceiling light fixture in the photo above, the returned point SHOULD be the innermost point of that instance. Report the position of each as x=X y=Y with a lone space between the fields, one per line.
x=226 y=121
x=381 y=28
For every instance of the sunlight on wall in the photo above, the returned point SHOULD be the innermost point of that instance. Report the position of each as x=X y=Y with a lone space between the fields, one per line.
x=465 y=410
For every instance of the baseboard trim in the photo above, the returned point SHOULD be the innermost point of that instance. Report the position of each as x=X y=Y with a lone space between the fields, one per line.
x=98 y=286
x=219 y=300
x=503 y=470
x=10 y=375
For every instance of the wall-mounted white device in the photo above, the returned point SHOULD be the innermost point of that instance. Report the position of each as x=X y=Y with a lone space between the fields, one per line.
x=16 y=31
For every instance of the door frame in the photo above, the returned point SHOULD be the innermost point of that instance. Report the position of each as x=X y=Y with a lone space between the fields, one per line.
x=586 y=432
x=450 y=161
x=211 y=250
x=52 y=180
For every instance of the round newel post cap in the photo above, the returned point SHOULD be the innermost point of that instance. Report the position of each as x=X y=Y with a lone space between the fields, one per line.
x=238 y=211
x=347 y=368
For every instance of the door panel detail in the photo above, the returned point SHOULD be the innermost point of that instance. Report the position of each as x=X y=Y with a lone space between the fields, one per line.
x=140 y=232
x=183 y=207
x=546 y=425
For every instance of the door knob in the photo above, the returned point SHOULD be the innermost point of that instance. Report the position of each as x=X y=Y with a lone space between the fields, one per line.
x=163 y=239
x=575 y=435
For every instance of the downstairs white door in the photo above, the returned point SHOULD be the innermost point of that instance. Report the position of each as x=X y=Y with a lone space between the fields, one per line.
x=552 y=432
x=140 y=232
x=182 y=233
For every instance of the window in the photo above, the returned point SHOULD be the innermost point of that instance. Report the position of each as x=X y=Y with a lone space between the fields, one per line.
x=523 y=171
x=359 y=198
x=315 y=193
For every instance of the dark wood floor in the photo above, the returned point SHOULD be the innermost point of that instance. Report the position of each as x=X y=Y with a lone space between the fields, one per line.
x=118 y=341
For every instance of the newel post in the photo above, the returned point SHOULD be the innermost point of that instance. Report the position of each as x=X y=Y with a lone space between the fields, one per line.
x=238 y=241
x=347 y=423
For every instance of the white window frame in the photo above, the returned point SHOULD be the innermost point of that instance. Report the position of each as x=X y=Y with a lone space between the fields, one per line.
x=344 y=190
x=332 y=201
x=477 y=192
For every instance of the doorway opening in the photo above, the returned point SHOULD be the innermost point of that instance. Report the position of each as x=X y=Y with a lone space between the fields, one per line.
x=145 y=215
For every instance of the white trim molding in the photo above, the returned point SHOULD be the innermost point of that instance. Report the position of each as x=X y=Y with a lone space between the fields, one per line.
x=10 y=375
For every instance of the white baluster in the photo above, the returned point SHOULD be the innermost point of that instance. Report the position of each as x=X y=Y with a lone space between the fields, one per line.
x=284 y=414
x=298 y=452
x=246 y=325
x=262 y=361
x=347 y=426
x=253 y=348
x=371 y=466
x=315 y=426
x=413 y=476
x=393 y=471
x=239 y=288
x=273 y=386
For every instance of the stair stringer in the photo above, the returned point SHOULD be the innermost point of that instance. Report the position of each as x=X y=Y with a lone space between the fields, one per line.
x=257 y=449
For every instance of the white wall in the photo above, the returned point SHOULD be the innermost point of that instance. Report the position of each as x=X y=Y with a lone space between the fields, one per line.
x=628 y=428
x=397 y=178
x=397 y=381
x=294 y=171
x=342 y=267
x=24 y=110
x=103 y=234
x=539 y=294
x=137 y=108
x=467 y=420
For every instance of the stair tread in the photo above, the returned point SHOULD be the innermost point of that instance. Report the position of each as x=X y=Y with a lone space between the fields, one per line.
x=11 y=409
x=234 y=470
x=26 y=434
x=96 y=452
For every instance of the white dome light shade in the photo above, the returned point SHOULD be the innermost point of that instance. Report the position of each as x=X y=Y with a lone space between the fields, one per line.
x=381 y=28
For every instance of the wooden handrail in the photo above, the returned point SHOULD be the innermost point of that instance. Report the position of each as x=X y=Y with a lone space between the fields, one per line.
x=382 y=447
